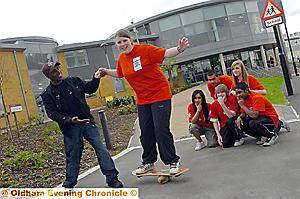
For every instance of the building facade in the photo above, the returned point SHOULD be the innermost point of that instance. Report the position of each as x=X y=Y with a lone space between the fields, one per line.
x=219 y=31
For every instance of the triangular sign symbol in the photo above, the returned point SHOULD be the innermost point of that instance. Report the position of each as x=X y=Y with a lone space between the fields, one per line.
x=271 y=10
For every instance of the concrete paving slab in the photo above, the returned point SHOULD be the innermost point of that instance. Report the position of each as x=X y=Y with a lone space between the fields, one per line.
x=249 y=171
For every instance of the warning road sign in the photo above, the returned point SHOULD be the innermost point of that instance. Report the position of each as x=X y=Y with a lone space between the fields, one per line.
x=271 y=12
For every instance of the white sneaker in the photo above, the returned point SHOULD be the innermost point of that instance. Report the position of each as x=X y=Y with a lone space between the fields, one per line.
x=261 y=140
x=286 y=126
x=239 y=142
x=174 y=168
x=144 y=168
x=271 y=141
x=199 y=146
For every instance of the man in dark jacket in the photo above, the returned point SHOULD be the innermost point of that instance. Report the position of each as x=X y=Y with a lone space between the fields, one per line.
x=65 y=103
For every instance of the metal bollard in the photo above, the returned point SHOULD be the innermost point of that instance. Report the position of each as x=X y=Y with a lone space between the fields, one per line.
x=104 y=128
x=133 y=100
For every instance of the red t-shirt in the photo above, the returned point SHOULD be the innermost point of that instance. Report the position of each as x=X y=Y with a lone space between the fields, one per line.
x=201 y=121
x=257 y=102
x=217 y=112
x=254 y=84
x=141 y=68
x=224 y=79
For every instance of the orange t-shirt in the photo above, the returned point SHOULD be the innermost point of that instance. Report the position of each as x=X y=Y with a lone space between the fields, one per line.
x=217 y=112
x=141 y=68
x=201 y=120
x=254 y=84
x=257 y=102
x=224 y=79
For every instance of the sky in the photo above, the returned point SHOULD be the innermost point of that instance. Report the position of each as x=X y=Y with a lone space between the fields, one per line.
x=74 y=21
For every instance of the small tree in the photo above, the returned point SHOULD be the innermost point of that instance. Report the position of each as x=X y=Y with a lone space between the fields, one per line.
x=168 y=66
x=3 y=77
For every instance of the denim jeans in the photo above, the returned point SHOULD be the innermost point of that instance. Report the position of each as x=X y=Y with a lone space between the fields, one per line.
x=73 y=141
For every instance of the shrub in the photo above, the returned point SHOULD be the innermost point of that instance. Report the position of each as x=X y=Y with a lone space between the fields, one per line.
x=127 y=109
x=38 y=120
x=118 y=102
x=10 y=151
x=27 y=159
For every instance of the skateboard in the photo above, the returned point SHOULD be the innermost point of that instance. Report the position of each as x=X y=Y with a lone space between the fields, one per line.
x=163 y=176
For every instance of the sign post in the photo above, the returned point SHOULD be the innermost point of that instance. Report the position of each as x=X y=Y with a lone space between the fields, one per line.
x=272 y=14
x=13 y=109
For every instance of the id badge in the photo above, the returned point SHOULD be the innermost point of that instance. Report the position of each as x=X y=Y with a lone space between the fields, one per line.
x=137 y=64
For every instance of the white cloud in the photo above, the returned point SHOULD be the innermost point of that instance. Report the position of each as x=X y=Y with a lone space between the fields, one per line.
x=71 y=21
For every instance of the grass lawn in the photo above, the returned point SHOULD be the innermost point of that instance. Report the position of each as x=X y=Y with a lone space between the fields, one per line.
x=274 y=87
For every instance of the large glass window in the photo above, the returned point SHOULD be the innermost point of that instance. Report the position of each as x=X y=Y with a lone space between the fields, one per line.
x=76 y=58
x=251 y=6
x=235 y=8
x=189 y=30
x=170 y=38
x=119 y=85
x=199 y=39
x=214 y=12
x=169 y=23
x=238 y=20
x=200 y=28
x=255 y=23
x=239 y=25
x=220 y=28
x=191 y=17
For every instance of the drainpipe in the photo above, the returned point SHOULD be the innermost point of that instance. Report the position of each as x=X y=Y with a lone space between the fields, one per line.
x=21 y=85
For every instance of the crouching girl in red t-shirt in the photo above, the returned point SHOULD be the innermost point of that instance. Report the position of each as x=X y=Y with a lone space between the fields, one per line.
x=198 y=114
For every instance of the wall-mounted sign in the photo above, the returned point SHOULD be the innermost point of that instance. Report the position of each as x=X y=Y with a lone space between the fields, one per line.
x=15 y=108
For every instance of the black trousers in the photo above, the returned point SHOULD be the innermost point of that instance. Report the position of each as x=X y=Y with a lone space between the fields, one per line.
x=154 y=120
x=229 y=133
x=261 y=126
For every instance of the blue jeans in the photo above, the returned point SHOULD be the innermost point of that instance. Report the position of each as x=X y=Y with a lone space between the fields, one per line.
x=73 y=141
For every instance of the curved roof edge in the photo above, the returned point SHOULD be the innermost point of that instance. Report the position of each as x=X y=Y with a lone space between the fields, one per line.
x=178 y=10
x=11 y=47
x=29 y=39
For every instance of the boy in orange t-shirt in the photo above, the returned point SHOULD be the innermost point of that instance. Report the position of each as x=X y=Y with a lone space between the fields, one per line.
x=139 y=64
x=223 y=114
x=258 y=116
x=214 y=80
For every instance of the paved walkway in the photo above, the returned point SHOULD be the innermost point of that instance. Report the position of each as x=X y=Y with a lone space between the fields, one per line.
x=249 y=171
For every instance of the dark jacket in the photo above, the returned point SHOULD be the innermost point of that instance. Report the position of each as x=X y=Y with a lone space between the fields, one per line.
x=54 y=103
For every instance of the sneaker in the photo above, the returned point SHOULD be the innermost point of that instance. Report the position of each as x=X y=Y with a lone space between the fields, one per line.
x=174 y=168
x=271 y=141
x=199 y=146
x=261 y=140
x=239 y=142
x=115 y=183
x=286 y=126
x=144 y=168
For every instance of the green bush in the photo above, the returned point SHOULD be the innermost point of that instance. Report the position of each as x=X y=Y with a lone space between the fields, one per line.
x=127 y=109
x=27 y=159
x=118 y=102
x=9 y=151
x=38 y=119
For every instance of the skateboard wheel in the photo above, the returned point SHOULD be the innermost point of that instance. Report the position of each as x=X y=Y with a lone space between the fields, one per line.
x=163 y=179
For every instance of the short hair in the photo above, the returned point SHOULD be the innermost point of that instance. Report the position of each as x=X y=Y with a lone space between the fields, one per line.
x=123 y=33
x=212 y=72
x=221 y=88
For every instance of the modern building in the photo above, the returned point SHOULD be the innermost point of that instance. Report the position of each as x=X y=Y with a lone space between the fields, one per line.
x=295 y=45
x=219 y=31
